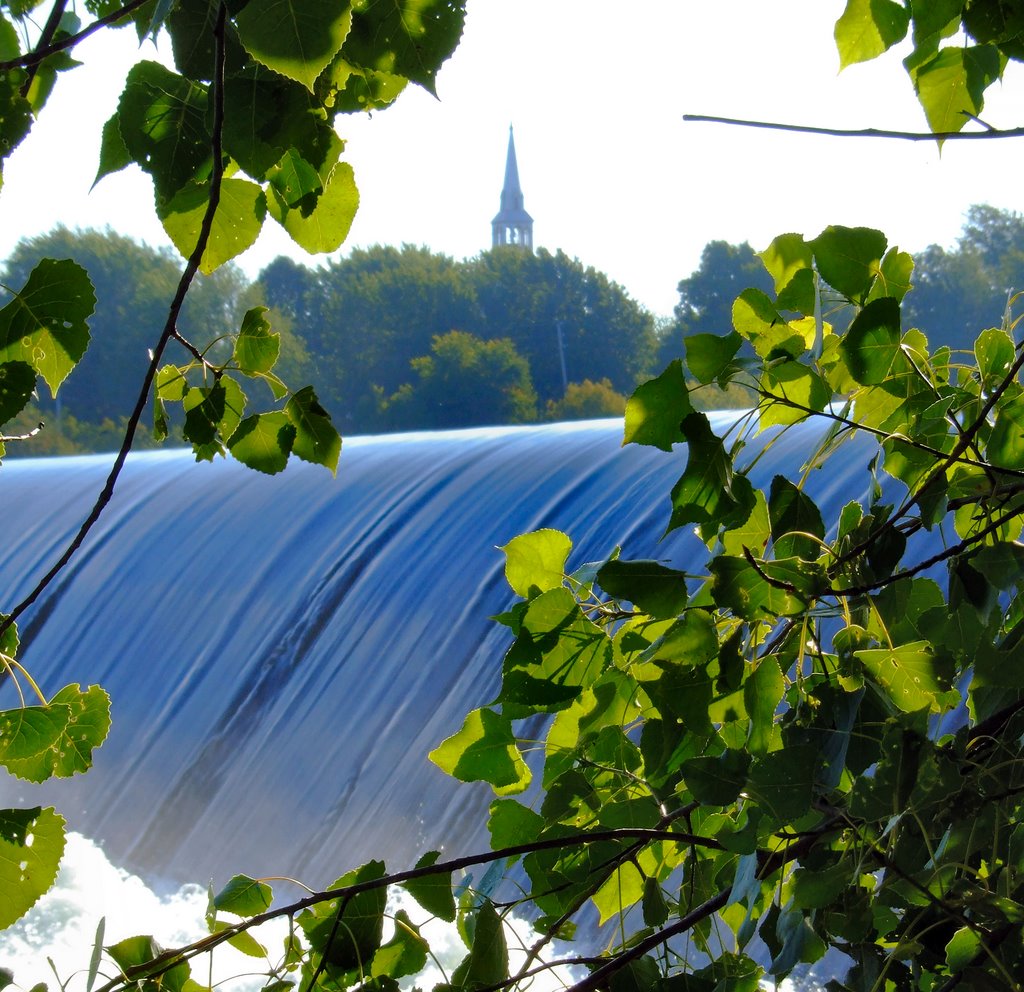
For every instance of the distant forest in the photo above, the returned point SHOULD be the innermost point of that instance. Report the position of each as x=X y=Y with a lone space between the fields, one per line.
x=404 y=338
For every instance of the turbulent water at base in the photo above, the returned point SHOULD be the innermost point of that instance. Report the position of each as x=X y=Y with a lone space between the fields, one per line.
x=282 y=653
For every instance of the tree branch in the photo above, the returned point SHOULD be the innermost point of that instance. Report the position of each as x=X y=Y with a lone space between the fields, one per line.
x=871 y=132
x=187 y=276
x=40 y=52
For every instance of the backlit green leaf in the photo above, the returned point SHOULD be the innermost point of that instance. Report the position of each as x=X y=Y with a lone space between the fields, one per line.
x=29 y=730
x=296 y=39
x=910 y=674
x=405 y=953
x=849 y=257
x=623 y=888
x=163 y=124
x=45 y=325
x=782 y=782
x=320 y=223
x=487 y=962
x=433 y=892
x=709 y=355
x=762 y=693
x=798 y=391
x=867 y=28
x=795 y=521
x=649 y=585
x=316 y=439
x=236 y=224
x=535 y=562
x=114 y=154
x=709 y=492
x=656 y=409
x=409 y=37
x=263 y=442
x=871 y=346
x=347 y=931
x=256 y=347
x=31 y=846
x=951 y=85
x=785 y=257
x=244 y=896
x=484 y=750
x=88 y=720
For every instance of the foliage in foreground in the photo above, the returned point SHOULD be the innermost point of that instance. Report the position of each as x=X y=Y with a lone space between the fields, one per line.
x=810 y=741
x=768 y=755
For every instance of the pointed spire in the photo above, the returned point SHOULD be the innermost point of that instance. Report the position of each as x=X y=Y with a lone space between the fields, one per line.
x=512 y=225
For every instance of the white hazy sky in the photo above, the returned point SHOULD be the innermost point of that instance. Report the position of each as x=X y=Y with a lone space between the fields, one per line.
x=596 y=90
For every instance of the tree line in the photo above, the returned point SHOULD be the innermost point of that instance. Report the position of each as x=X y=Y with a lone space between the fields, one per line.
x=406 y=338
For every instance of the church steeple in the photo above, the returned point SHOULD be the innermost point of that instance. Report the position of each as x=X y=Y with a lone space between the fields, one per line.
x=512 y=225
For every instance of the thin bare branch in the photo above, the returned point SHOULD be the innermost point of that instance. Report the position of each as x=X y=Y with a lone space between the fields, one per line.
x=870 y=132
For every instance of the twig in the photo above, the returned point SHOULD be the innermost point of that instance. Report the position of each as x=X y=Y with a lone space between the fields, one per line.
x=168 y=332
x=39 y=53
x=49 y=30
x=870 y=132
x=4 y=438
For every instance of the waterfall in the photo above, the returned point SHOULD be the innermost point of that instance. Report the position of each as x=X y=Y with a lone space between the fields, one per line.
x=282 y=653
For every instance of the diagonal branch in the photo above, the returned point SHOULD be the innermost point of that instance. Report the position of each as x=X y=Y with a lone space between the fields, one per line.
x=187 y=276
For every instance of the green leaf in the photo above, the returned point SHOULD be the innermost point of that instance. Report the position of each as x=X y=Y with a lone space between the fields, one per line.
x=17 y=383
x=558 y=652
x=782 y=781
x=320 y=223
x=652 y=587
x=30 y=730
x=347 y=930
x=511 y=823
x=31 y=846
x=717 y=781
x=256 y=347
x=795 y=521
x=994 y=351
x=405 y=953
x=88 y=721
x=709 y=492
x=236 y=225
x=849 y=257
x=785 y=258
x=867 y=28
x=871 y=347
x=910 y=674
x=484 y=750
x=294 y=179
x=263 y=442
x=204 y=409
x=487 y=961
x=738 y=586
x=244 y=896
x=894 y=276
x=411 y=38
x=45 y=325
x=951 y=85
x=163 y=124
x=792 y=383
x=657 y=408
x=623 y=888
x=433 y=892
x=762 y=693
x=963 y=947
x=244 y=941
x=316 y=439
x=708 y=355
x=296 y=39
x=535 y=562
x=114 y=154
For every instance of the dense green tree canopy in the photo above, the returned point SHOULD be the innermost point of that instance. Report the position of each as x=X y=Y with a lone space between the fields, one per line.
x=367 y=317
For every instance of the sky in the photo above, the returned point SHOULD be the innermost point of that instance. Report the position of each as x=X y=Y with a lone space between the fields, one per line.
x=596 y=91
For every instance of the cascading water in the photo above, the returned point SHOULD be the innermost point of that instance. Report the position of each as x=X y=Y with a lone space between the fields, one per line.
x=283 y=653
